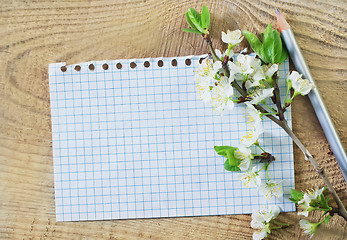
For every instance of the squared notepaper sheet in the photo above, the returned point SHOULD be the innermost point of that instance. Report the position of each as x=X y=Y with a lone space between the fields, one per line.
x=138 y=143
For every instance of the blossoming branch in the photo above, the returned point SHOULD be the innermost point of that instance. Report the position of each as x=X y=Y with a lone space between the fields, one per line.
x=253 y=80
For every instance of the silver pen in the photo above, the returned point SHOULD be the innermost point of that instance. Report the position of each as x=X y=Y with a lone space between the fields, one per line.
x=315 y=97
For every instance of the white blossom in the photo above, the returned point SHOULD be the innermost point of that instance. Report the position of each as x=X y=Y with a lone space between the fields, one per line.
x=254 y=122
x=261 y=221
x=304 y=203
x=245 y=65
x=261 y=226
x=261 y=74
x=207 y=68
x=205 y=78
x=221 y=96
x=260 y=95
x=265 y=215
x=300 y=85
x=203 y=88
x=250 y=178
x=233 y=38
x=245 y=155
x=271 y=189
x=252 y=136
x=309 y=228
x=253 y=115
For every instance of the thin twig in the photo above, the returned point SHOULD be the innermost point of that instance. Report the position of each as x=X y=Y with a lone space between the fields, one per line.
x=209 y=43
x=320 y=170
x=277 y=98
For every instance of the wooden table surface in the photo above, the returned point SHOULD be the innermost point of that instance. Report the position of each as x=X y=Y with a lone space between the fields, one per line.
x=36 y=33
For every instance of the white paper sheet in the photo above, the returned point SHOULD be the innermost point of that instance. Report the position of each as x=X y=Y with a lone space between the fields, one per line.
x=138 y=143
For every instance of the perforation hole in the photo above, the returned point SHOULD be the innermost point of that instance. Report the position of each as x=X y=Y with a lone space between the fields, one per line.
x=201 y=59
x=160 y=63
x=91 y=67
x=133 y=65
x=105 y=66
x=188 y=62
x=146 y=64
x=77 y=68
x=174 y=63
x=63 y=68
x=119 y=66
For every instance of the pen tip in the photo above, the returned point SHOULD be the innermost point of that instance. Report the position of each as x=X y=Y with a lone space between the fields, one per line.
x=277 y=12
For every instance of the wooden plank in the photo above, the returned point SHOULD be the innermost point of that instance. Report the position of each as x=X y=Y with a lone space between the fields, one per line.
x=34 y=34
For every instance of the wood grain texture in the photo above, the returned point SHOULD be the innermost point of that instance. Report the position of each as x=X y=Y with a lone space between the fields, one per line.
x=36 y=33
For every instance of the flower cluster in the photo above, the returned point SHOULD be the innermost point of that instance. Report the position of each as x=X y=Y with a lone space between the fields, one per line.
x=311 y=200
x=264 y=221
x=216 y=78
x=255 y=77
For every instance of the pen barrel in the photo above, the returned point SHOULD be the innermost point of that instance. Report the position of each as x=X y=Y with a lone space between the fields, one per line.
x=317 y=101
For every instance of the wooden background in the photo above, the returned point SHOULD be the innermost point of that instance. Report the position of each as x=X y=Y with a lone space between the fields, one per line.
x=36 y=33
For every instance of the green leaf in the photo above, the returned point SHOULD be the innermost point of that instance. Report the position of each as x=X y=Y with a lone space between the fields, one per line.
x=228 y=152
x=268 y=48
x=266 y=33
x=223 y=150
x=326 y=220
x=278 y=46
x=229 y=167
x=205 y=17
x=272 y=47
x=322 y=197
x=255 y=43
x=190 y=23
x=191 y=30
x=296 y=195
x=284 y=54
x=195 y=18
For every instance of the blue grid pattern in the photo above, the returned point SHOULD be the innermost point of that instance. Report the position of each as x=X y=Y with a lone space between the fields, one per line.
x=137 y=143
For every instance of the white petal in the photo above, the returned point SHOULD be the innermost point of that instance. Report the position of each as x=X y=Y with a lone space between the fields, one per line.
x=294 y=76
x=244 y=165
x=230 y=105
x=303 y=86
x=257 y=181
x=304 y=213
x=272 y=70
x=231 y=78
x=319 y=192
x=259 y=75
x=233 y=68
x=258 y=235
x=260 y=95
x=275 y=211
x=225 y=37
x=217 y=65
x=307 y=227
x=257 y=224
x=218 y=53
x=244 y=51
